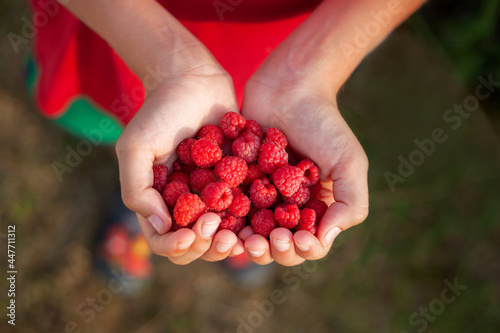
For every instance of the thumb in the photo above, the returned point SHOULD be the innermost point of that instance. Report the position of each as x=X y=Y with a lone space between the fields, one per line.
x=136 y=178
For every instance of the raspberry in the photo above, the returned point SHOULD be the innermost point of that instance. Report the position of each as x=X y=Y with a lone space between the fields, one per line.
x=299 y=198
x=315 y=190
x=288 y=180
x=184 y=151
x=247 y=147
x=254 y=127
x=179 y=176
x=177 y=165
x=230 y=222
x=240 y=205
x=232 y=124
x=160 y=173
x=310 y=171
x=262 y=193
x=188 y=209
x=212 y=132
x=232 y=170
x=287 y=215
x=307 y=220
x=201 y=178
x=205 y=153
x=272 y=157
x=276 y=136
x=217 y=195
x=263 y=222
x=253 y=174
x=318 y=206
x=173 y=191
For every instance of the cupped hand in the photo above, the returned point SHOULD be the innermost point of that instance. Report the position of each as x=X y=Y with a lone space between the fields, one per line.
x=173 y=111
x=308 y=115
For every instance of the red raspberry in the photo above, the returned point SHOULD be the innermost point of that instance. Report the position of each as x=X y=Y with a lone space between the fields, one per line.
x=276 y=136
x=230 y=222
x=272 y=157
x=205 y=153
x=288 y=180
x=247 y=147
x=319 y=207
x=179 y=176
x=262 y=193
x=287 y=215
x=188 y=209
x=299 y=198
x=160 y=173
x=184 y=151
x=253 y=174
x=307 y=220
x=201 y=178
x=310 y=171
x=236 y=190
x=240 y=206
x=315 y=190
x=212 y=132
x=177 y=165
x=232 y=170
x=217 y=195
x=263 y=222
x=254 y=127
x=232 y=124
x=173 y=191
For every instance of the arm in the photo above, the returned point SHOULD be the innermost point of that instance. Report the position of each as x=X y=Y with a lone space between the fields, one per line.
x=295 y=90
x=144 y=34
x=190 y=90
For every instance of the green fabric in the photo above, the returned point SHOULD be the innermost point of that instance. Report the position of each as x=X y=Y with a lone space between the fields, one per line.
x=83 y=118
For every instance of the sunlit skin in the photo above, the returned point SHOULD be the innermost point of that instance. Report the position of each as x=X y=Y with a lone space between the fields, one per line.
x=294 y=90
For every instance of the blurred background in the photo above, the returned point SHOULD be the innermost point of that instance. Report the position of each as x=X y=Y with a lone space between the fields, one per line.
x=426 y=259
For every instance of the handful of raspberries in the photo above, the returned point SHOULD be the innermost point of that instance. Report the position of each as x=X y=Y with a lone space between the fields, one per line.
x=244 y=176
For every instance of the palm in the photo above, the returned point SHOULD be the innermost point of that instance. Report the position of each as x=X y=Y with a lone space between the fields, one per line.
x=315 y=129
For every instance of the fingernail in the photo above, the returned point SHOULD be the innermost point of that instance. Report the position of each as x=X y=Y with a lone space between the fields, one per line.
x=281 y=245
x=331 y=235
x=222 y=247
x=257 y=253
x=156 y=222
x=302 y=247
x=208 y=229
x=184 y=245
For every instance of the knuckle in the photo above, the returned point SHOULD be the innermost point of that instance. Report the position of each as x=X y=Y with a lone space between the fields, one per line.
x=129 y=200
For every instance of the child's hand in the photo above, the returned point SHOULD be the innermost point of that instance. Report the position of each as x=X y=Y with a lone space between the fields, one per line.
x=172 y=112
x=314 y=127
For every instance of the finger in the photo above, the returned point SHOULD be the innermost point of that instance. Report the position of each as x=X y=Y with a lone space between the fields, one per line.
x=204 y=229
x=258 y=249
x=283 y=249
x=238 y=248
x=222 y=245
x=171 y=244
x=136 y=178
x=246 y=232
x=308 y=246
x=350 y=192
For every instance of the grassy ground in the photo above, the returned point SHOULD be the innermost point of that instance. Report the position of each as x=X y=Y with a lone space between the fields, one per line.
x=439 y=226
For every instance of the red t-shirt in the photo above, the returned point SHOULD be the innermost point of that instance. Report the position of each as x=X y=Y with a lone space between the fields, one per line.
x=73 y=62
